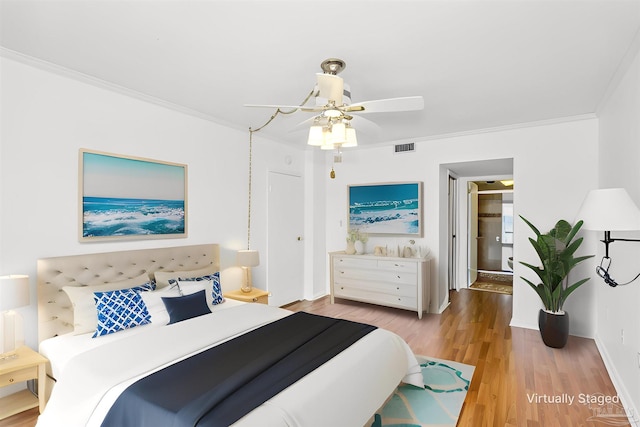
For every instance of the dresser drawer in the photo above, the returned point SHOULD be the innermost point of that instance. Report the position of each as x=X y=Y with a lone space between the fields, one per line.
x=397 y=277
x=355 y=262
x=18 y=376
x=399 y=266
x=374 y=274
x=343 y=271
x=359 y=294
x=406 y=289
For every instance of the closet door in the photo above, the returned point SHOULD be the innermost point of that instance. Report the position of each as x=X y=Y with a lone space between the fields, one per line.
x=285 y=264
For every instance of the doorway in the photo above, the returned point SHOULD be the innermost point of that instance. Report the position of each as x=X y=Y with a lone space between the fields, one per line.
x=491 y=235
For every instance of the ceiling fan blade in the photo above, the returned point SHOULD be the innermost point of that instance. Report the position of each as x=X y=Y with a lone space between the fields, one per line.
x=287 y=107
x=365 y=126
x=390 y=105
x=330 y=87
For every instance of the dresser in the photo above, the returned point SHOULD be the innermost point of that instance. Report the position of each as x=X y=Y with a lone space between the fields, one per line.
x=394 y=282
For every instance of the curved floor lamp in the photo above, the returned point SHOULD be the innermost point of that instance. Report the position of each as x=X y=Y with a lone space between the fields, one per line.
x=610 y=209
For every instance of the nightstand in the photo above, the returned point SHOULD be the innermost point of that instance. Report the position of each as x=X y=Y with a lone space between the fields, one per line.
x=256 y=295
x=28 y=365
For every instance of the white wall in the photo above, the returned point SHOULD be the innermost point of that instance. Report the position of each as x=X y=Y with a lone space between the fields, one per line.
x=550 y=183
x=46 y=117
x=617 y=308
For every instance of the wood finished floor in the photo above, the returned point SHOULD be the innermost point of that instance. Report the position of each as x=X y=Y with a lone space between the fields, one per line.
x=511 y=364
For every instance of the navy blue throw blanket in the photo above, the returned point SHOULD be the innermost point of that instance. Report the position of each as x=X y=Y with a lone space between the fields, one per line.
x=220 y=385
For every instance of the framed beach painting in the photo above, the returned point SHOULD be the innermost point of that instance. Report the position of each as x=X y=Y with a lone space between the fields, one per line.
x=123 y=197
x=386 y=208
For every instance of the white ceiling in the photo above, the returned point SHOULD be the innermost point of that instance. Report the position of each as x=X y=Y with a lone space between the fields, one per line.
x=478 y=64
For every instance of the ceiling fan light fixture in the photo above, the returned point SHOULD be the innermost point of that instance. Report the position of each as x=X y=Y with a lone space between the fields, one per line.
x=316 y=135
x=332 y=113
x=338 y=133
x=327 y=145
x=352 y=141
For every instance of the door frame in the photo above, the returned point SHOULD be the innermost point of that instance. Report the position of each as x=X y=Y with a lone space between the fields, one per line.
x=463 y=225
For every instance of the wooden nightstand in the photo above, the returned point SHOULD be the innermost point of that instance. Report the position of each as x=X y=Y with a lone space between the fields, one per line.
x=28 y=365
x=256 y=295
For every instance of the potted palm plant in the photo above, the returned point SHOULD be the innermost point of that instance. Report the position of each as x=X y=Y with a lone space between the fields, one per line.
x=556 y=250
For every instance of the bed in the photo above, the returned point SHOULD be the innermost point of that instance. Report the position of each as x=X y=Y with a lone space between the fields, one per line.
x=93 y=369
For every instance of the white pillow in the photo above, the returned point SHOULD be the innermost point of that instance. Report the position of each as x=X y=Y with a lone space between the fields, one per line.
x=85 y=316
x=162 y=277
x=155 y=306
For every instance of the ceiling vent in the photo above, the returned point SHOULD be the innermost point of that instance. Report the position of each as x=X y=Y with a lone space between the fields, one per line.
x=404 y=148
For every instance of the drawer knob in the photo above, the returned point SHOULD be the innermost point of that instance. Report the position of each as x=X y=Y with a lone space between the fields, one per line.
x=255 y=299
x=11 y=380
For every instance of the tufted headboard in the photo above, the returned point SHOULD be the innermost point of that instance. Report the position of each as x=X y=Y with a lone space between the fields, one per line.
x=55 y=313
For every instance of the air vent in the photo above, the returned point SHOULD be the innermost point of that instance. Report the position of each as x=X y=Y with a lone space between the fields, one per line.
x=404 y=148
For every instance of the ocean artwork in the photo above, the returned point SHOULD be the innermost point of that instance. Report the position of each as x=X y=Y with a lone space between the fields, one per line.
x=386 y=208
x=106 y=216
x=129 y=197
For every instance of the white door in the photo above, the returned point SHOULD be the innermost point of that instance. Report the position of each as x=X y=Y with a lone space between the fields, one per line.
x=285 y=264
x=473 y=232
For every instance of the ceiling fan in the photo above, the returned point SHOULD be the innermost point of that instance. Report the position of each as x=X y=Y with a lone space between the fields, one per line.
x=331 y=126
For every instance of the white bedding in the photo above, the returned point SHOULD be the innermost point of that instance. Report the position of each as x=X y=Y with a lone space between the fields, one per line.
x=61 y=349
x=343 y=392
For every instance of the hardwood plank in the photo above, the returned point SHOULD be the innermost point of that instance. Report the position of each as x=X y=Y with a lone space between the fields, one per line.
x=512 y=364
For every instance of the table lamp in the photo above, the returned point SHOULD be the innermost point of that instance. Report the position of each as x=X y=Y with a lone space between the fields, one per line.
x=14 y=293
x=246 y=259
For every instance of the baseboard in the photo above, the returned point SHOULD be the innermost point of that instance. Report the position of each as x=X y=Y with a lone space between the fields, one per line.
x=517 y=323
x=625 y=398
x=443 y=307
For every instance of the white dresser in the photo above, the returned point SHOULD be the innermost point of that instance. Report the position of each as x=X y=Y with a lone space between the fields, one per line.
x=390 y=281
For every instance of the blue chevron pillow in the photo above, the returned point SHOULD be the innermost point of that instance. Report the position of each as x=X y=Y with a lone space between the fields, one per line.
x=119 y=310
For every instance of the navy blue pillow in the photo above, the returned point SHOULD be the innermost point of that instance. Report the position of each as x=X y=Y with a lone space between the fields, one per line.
x=186 y=307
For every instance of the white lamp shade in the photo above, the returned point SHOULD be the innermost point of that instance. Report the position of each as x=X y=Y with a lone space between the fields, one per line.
x=609 y=209
x=248 y=258
x=14 y=291
x=338 y=133
x=352 y=141
x=316 y=135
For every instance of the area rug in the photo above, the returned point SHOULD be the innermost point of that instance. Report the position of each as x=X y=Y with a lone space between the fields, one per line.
x=438 y=404
x=493 y=287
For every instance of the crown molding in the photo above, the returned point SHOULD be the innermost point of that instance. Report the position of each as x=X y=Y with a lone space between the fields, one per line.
x=103 y=84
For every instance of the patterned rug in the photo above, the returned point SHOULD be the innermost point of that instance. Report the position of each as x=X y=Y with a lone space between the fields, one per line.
x=438 y=404
x=493 y=287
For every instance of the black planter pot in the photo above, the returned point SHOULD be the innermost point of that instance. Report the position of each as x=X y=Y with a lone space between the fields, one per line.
x=554 y=328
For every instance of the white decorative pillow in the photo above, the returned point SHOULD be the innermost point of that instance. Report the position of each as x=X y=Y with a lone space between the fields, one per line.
x=163 y=277
x=211 y=283
x=155 y=306
x=119 y=310
x=85 y=317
